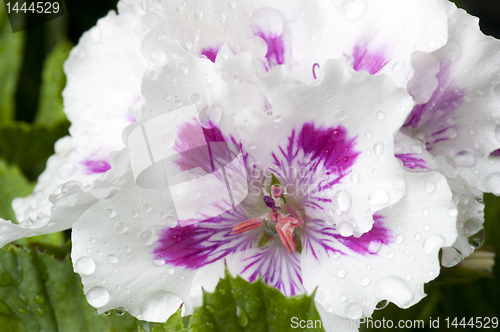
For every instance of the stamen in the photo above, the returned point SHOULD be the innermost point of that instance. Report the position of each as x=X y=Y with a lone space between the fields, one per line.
x=277 y=191
x=294 y=214
x=247 y=225
x=285 y=232
x=314 y=71
x=269 y=202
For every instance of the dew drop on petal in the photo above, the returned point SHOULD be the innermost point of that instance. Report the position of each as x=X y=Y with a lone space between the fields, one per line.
x=112 y=259
x=492 y=183
x=211 y=115
x=85 y=266
x=429 y=187
x=378 y=148
x=196 y=98
x=183 y=68
x=343 y=297
x=378 y=197
x=452 y=212
x=134 y=214
x=329 y=308
x=157 y=56
x=97 y=296
x=354 y=310
x=109 y=213
x=496 y=91
x=355 y=177
x=153 y=75
x=346 y=228
x=476 y=240
x=433 y=243
x=146 y=237
x=374 y=246
x=381 y=115
x=170 y=271
x=146 y=207
x=341 y=273
x=465 y=159
x=368 y=134
x=365 y=282
x=167 y=140
x=158 y=306
x=120 y=311
x=342 y=200
x=400 y=238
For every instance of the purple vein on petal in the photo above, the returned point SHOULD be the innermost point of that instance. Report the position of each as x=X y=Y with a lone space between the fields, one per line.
x=365 y=59
x=275 y=48
x=412 y=161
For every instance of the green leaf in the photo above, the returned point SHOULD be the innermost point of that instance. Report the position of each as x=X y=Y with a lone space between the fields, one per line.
x=275 y=181
x=12 y=184
x=11 y=57
x=50 y=106
x=174 y=323
x=39 y=291
x=237 y=305
x=29 y=146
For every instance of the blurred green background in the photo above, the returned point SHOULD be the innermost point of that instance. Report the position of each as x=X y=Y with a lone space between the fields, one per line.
x=31 y=120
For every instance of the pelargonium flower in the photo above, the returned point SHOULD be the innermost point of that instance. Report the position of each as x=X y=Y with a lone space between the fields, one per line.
x=341 y=197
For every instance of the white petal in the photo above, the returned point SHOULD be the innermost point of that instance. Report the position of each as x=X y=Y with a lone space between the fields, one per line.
x=457 y=119
x=392 y=268
x=104 y=74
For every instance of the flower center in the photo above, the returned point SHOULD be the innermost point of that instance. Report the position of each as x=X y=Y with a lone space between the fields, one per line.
x=276 y=221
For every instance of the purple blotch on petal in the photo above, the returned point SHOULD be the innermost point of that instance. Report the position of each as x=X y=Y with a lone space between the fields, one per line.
x=275 y=48
x=495 y=153
x=96 y=166
x=435 y=118
x=378 y=235
x=367 y=60
x=210 y=53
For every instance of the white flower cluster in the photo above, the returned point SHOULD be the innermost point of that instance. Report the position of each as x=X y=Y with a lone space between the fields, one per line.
x=328 y=145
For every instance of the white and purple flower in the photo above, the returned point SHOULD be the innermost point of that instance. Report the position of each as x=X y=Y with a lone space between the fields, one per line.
x=321 y=145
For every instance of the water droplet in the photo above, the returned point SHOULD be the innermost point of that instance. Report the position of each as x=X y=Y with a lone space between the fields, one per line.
x=196 y=98
x=433 y=243
x=170 y=271
x=381 y=115
x=400 y=238
x=429 y=187
x=342 y=200
x=496 y=91
x=158 y=306
x=365 y=282
x=381 y=304
x=368 y=134
x=110 y=213
x=112 y=259
x=134 y=214
x=343 y=297
x=146 y=208
x=210 y=309
x=465 y=159
x=183 y=68
x=418 y=236
x=21 y=310
x=341 y=273
x=84 y=266
x=354 y=310
x=120 y=311
x=153 y=75
x=425 y=212
x=146 y=237
x=107 y=313
x=378 y=197
x=251 y=146
x=346 y=228
x=277 y=118
x=378 y=148
x=39 y=298
x=340 y=115
x=242 y=316
x=329 y=308
x=97 y=296
x=492 y=183
x=452 y=212
x=92 y=240
x=41 y=311
x=157 y=56
x=167 y=140
x=355 y=177
x=476 y=240
x=497 y=130
x=374 y=246
x=352 y=10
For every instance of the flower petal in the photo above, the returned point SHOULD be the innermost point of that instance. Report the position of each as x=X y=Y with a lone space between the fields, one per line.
x=351 y=280
x=103 y=79
x=458 y=99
